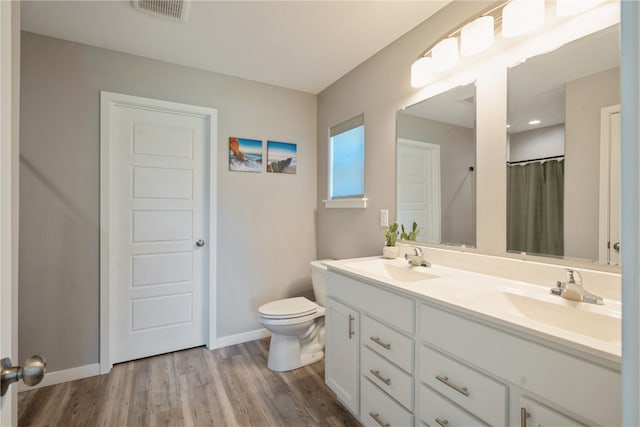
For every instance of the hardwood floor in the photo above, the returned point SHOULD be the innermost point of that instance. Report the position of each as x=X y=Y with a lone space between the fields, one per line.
x=231 y=386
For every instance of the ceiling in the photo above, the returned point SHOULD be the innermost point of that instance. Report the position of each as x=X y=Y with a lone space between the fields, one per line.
x=302 y=45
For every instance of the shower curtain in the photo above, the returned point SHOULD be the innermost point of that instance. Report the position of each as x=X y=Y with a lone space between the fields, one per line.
x=535 y=211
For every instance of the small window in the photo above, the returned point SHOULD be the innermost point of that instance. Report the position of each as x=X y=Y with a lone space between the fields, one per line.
x=346 y=159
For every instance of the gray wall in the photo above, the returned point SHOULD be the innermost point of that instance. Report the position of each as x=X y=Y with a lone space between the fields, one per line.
x=538 y=143
x=457 y=153
x=585 y=98
x=378 y=88
x=266 y=222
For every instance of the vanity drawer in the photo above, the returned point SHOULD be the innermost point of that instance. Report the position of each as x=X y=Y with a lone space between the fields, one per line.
x=391 y=379
x=397 y=310
x=377 y=409
x=385 y=341
x=477 y=393
x=580 y=386
x=436 y=410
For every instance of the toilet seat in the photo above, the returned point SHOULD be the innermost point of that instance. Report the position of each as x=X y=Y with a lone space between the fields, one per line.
x=288 y=308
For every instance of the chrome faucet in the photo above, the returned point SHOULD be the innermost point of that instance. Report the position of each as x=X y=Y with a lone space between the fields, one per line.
x=574 y=291
x=417 y=259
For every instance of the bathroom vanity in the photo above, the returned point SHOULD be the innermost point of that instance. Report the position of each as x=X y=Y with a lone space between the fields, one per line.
x=441 y=346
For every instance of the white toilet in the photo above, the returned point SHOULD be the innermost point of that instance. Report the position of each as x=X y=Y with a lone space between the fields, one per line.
x=297 y=326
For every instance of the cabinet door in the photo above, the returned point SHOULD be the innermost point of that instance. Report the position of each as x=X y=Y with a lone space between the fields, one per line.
x=342 y=353
x=533 y=414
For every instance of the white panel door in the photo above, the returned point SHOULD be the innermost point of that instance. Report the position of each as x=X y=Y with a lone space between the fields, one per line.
x=159 y=194
x=609 y=246
x=418 y=192
x=615 y=202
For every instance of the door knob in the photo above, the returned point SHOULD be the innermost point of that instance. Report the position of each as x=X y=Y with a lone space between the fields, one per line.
x=200 y=243
x=616 y=246
x=31 y=373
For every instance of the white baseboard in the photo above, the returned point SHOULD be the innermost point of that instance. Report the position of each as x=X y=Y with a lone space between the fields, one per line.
x=240 y=338
x=57 y=377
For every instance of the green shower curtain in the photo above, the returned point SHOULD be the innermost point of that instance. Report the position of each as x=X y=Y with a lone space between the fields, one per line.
x=535 y=211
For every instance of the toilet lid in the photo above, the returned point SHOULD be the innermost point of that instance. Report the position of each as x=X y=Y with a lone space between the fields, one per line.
x=288 y=307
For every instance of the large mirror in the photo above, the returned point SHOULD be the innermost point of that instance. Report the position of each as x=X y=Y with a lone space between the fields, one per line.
x=563 y=160
x=435 y=167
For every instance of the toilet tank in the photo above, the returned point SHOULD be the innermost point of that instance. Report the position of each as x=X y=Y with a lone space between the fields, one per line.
x=319 y=280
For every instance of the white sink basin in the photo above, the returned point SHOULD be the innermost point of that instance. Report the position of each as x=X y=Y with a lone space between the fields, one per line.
x=396 y=270
x=598 y=322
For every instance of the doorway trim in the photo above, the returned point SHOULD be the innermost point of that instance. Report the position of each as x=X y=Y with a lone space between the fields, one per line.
x=108 y=100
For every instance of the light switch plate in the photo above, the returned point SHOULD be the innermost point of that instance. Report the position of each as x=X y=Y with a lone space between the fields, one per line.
x=384 y=218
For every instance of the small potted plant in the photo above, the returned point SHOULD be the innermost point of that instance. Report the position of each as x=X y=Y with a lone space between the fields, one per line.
x=390 y=250
x=412 y=235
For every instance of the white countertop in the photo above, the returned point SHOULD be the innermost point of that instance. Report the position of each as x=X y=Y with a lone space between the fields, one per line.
x=521 y=308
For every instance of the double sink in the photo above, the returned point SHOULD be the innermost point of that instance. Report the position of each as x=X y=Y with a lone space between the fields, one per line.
x=524 y=305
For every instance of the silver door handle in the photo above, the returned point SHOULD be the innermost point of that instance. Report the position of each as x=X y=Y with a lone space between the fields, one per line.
x=616 y=246
x=524 y=414
x=200 y=243
x=31 y=373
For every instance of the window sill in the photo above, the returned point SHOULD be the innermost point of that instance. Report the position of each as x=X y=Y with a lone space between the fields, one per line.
x=357 y=203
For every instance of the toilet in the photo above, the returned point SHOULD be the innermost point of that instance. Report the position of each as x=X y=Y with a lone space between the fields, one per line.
x=297 y=326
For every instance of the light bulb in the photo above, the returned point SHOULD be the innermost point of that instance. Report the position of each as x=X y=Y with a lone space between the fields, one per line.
x=521 y=16
x=445 y=54
x=476 y=36
x=421 y=71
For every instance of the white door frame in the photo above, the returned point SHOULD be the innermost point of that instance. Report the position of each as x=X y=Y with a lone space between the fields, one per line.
x=630 y=97
x=605 y=173
x=108 y=101
x=9 y=147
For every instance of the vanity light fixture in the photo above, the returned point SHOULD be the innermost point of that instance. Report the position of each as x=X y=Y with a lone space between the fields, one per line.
x=474 y=36
x=534 y=122
x=521 y=16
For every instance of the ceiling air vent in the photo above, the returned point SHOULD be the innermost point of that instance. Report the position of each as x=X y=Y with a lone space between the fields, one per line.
x=171 y=9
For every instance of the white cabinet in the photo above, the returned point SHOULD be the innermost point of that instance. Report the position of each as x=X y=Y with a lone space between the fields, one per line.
x=479 y=394
x=534 y=414
x=577 y=387
x=342 y=353
x=390 y=355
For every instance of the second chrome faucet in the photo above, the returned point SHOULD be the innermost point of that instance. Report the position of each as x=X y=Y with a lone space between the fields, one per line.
x=573 y=290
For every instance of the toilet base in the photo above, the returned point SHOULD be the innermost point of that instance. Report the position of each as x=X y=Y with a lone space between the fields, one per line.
x=285 y=353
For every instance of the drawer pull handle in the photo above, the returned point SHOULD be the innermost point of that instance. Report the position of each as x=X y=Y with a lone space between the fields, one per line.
x=376 y=417
x=351 y=332
x=443 y=422
x=459 y=389
x=379 y=376
x=380 y=343
x=524 y=414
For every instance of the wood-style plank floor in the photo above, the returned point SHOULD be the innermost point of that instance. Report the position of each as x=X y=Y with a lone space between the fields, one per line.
x=231 y=386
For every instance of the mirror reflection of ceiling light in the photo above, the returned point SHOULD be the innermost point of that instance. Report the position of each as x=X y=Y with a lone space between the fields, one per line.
x=534 y=122
x=521 y=16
